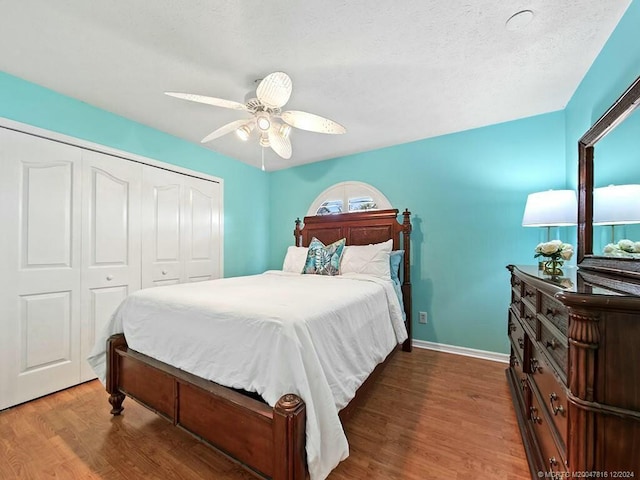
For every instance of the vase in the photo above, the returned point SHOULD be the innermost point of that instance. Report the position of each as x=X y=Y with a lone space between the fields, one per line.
x=552 y=267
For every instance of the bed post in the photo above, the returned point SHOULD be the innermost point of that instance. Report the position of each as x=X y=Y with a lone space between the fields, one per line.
x=116 y=397
x=297 y=233
x=406 y=281
x=289 y=435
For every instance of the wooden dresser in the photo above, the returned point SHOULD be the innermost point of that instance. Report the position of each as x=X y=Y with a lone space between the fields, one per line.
x=574 y=374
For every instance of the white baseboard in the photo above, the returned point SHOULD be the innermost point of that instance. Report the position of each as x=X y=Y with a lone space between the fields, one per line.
x=467 y=352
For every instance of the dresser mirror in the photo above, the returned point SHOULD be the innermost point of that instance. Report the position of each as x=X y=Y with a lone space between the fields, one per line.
x=615 y=162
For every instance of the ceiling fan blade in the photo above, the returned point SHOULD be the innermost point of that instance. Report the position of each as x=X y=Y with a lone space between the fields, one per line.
x=228 y=128
x=311 y=122
x=216 y=102
x=274 y=90
x=279 y=144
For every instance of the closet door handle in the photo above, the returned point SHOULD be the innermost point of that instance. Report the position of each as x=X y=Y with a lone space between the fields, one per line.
x=164 y=272
x=109 y=278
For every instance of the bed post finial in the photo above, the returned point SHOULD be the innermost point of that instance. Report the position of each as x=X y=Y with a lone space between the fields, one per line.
x=406 y=223
x=297 y=233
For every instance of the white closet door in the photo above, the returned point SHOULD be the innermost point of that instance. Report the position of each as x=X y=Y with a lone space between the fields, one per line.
x=110 y=241
x=162 y=220
x=201 y=233
x=40 y=258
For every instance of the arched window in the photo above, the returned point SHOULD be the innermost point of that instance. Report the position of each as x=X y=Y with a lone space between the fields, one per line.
x=348 y=197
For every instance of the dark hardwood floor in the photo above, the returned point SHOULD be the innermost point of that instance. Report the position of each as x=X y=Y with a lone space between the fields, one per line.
x=430 y=416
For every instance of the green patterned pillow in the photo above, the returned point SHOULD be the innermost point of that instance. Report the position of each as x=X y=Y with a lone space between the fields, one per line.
x=324 y=260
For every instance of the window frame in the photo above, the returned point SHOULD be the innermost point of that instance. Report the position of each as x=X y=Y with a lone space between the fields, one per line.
x=346 y=190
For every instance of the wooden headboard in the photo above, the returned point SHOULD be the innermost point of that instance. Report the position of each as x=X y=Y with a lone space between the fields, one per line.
x=364 y=228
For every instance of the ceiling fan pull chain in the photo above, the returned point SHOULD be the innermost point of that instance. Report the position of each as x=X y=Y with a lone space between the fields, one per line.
x=262 y=149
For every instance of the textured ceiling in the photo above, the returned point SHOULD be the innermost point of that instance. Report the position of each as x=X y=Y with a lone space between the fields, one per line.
x=390 y=72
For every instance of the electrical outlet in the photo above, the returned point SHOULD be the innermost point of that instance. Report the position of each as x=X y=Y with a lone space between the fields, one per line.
x=423 y=317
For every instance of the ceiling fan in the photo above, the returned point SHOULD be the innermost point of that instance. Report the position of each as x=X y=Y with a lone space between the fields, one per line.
x=272 y=125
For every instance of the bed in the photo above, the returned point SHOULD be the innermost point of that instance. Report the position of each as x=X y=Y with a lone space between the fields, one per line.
x=268 y=440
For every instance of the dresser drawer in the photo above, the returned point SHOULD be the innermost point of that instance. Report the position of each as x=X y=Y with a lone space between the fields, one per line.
x=517 y=336
x=556 y=346
x=553 y=394
x=553 y=458
x=555 y=312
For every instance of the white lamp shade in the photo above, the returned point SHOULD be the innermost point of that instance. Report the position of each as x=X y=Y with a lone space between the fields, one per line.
x=553 y=208
x=616 y=205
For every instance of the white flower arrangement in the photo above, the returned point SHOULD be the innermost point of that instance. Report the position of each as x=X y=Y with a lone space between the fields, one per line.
x=624 y=248
x=555 y=250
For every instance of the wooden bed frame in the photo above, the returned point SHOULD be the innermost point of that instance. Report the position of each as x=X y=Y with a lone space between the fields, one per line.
x=267 y=441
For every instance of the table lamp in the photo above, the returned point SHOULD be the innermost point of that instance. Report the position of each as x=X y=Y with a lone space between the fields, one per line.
x=552 y=208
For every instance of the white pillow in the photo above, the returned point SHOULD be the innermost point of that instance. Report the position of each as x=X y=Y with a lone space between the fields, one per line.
x=368 y=259
x=294 y=259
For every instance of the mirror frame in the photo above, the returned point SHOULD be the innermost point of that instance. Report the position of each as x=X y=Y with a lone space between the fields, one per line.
x=620 y=110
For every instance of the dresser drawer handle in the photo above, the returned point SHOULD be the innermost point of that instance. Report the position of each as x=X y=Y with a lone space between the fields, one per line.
x=529 y=318
x=553 y=312
x=512 y=326
x=533 y=415
x=552 y=344
x=521 y=343
x=527 y=293
x=553 y=469
x=553 y=397
x=533 y=363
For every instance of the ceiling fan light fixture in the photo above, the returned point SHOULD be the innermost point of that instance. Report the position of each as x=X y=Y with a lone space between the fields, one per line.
x=263 y=122
x=285 y=130
x=244 y=132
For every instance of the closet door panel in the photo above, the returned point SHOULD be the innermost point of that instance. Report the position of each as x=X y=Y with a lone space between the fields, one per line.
x=40 y=256
x=162 y=224
x=45 y=330
x=46 y=201
x=110 y=241
x=201 y=230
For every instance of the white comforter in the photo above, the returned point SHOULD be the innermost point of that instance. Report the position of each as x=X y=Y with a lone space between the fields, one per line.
x=275 y=333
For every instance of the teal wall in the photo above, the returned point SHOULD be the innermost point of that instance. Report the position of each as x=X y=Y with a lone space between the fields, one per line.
x=245 y=187
x=615 y=68
x=467 y=193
